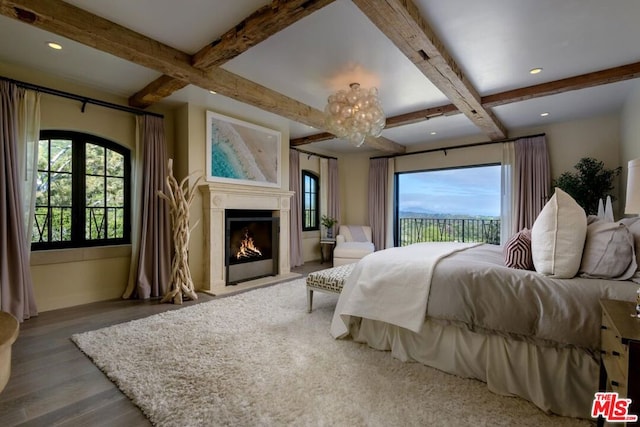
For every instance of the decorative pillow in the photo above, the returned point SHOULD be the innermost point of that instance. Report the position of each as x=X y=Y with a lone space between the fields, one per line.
x=517 y=251
x=557 y=237
x=633 y=224
x=608 y=251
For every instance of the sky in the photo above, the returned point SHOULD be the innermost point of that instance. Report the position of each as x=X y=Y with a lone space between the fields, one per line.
x=470 y=191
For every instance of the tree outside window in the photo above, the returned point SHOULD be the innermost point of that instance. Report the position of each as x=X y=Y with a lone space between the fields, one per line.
x=82 y=193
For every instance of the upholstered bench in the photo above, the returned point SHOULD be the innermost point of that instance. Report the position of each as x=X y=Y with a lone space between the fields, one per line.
x=330 y=280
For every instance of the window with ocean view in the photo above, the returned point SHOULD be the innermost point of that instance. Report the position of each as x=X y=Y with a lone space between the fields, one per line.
x=449 y=205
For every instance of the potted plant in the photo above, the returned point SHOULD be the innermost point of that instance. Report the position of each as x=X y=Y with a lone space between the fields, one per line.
x=328 y=223
x=590 y=183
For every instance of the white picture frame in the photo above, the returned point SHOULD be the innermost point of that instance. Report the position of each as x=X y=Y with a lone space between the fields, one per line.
x=238 y=152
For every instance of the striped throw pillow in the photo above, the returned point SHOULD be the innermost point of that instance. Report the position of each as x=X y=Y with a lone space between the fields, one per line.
x=517 y=251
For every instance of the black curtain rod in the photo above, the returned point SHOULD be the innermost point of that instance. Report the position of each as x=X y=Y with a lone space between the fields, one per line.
x=314 y=154
x=85 y=100
x=445 y=149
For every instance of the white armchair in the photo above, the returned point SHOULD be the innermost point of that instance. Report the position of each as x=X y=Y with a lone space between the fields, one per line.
x=352 y=243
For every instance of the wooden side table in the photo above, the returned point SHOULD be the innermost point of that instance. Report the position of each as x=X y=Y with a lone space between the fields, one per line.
x=620 y=351
x=329 y=244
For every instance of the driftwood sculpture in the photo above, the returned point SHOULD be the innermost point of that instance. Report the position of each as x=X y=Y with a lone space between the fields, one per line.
x=179 y=198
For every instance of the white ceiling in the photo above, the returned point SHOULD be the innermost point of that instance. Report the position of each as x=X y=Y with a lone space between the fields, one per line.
x=495 y=43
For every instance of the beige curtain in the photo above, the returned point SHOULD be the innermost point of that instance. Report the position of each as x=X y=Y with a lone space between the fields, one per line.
x=151 y=234
x=378 y=201
x=531 y=181
x=507 y=201
x=295 y=238
x=28 y=137
x=391 y=171
x=16 y=287
x=333 y=199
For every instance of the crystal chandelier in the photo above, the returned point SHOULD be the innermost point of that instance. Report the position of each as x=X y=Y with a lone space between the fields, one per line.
x=354 y=114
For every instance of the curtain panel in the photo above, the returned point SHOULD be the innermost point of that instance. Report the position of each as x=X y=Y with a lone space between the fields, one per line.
x=526 y=181
x=16 y=286
x=295 y=225
x=378 y=200
x=333 y=202
x=151 y=266
x=533 y=179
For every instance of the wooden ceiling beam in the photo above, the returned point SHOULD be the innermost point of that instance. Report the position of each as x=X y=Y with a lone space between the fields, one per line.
x=583 y=81
x=259 y=26
x=401 y=22
x=392 y=122
x=77 y=24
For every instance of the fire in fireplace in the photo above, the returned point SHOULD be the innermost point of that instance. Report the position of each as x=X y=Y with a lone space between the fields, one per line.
x=248 y=248
x=251 y=245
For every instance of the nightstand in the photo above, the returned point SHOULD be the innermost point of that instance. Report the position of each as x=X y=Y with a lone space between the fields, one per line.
x=620 y=350
x=329 y=244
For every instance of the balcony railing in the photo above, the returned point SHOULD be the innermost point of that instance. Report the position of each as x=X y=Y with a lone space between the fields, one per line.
x=416 y=230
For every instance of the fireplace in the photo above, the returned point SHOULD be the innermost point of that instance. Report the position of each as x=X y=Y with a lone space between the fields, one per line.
x=251 y=245
x=218 y=198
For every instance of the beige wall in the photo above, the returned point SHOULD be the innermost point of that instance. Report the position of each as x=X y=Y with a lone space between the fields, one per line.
x=310 y=239
x=77 y=276
x=190 y=155
x=69 y=277
x=567 y=143
x=630 y=134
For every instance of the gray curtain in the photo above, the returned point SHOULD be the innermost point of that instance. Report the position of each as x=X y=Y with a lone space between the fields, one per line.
x=154 y=260
x=333 y=202
x=295 y=242
x=16 y=287
x=378 y=194
x=532 y=180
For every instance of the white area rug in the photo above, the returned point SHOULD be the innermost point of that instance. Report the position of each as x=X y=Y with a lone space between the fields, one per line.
x=259 y=359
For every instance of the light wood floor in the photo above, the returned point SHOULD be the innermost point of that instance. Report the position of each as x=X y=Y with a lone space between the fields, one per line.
x=52 y=383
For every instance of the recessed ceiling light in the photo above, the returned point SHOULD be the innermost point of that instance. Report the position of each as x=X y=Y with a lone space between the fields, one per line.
x=545 y=114
x=535 y=70
x=213 y=92
x=434 y=133
x=54 y=45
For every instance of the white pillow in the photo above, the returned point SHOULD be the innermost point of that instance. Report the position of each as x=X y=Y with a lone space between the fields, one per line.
x=557 y=237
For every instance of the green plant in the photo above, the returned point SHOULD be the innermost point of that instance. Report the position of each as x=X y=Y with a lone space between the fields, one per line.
x=589 y=184
x=328 y=221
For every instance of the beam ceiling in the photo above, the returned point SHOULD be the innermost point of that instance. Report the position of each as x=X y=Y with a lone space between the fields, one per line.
x=77 y=24
x=400 y=20
x=583 y=81
x=260 y=25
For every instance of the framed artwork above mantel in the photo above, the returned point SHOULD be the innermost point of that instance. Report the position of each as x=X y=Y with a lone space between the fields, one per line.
x=238 y=152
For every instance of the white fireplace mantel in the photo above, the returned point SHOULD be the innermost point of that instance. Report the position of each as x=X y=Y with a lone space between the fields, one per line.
x=218 y=197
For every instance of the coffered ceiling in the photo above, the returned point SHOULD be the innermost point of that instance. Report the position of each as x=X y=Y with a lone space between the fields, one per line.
x=444 y=69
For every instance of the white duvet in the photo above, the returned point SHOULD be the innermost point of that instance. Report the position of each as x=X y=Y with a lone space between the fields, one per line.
x=471 y=287
x=371 y=291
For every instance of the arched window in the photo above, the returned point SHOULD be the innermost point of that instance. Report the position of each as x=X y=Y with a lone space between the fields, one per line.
x=310 y=201
x=83 y=192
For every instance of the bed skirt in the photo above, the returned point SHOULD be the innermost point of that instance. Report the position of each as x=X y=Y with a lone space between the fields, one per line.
x=558 y=380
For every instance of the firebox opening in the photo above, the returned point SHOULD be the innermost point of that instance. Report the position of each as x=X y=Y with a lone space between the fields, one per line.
x=251 y=245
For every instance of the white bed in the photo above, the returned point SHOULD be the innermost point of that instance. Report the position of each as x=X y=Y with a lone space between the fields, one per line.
x=519 y=331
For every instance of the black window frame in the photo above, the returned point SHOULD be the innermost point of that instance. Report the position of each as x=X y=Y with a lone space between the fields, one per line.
x=78 y=191
x=315 y=212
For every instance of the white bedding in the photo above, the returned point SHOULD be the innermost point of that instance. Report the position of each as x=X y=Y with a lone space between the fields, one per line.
x=371 y=292
x=473 y=288
x=521 y=332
